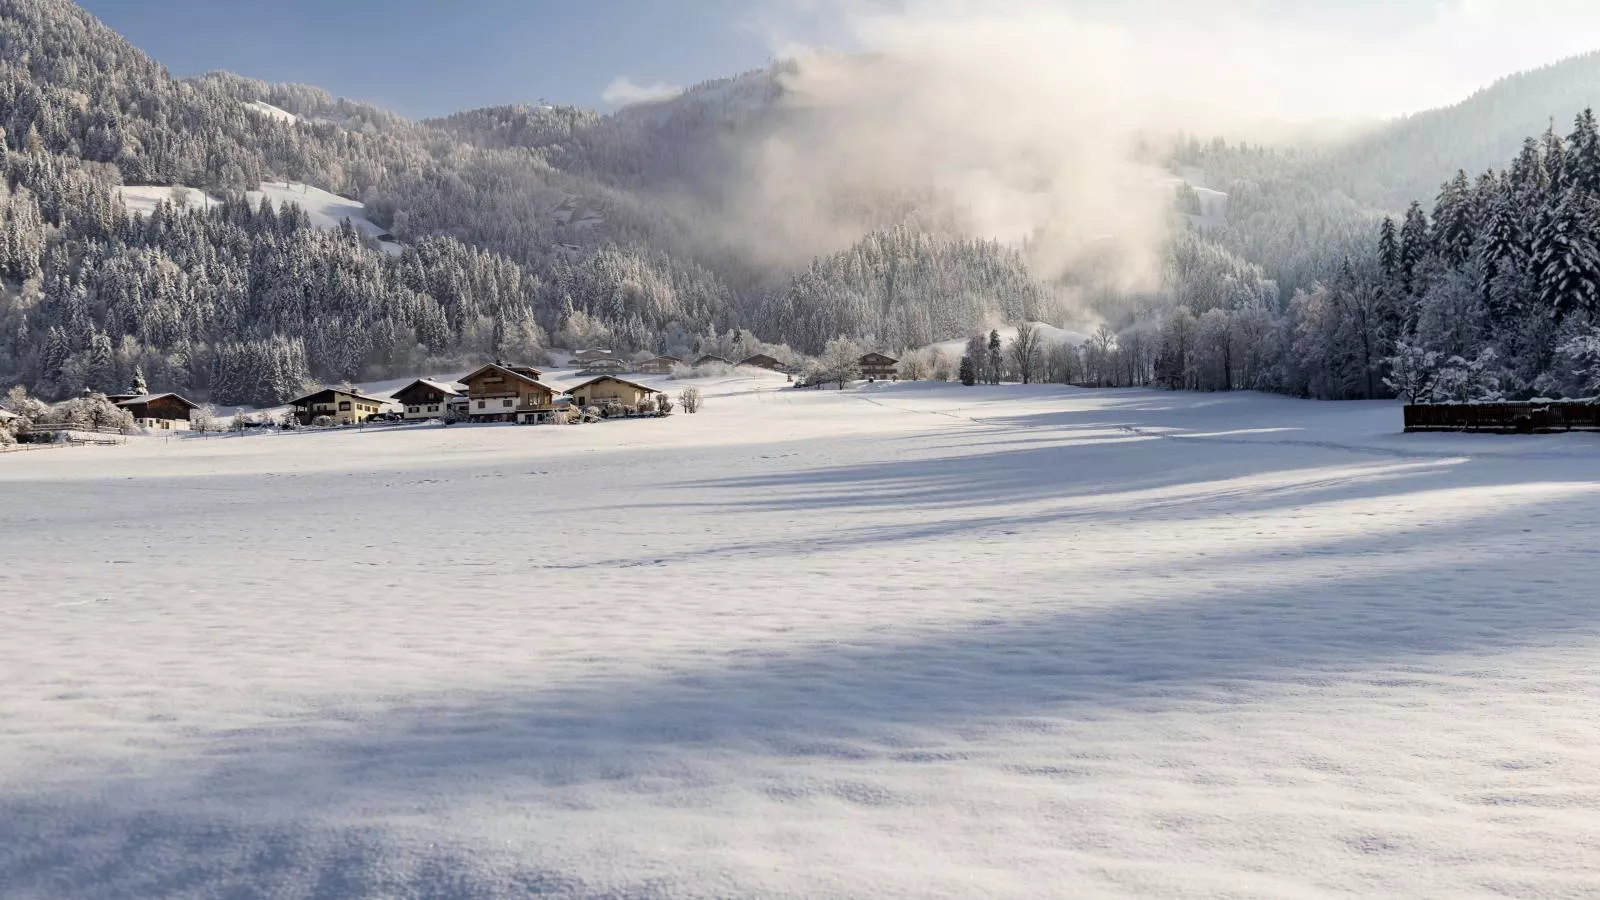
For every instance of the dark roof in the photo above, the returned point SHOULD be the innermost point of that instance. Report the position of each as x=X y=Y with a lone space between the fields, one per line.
x=642 y=387
x=312 y=397
x=760 y=359
x=877 y=359
x=663 y=357
x=143 y=399
x=710 y=358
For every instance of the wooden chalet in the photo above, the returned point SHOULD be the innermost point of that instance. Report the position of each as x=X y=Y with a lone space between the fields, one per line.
x=342 y=406
x=157 y=412
x=590 y=355
x=709 y=359
x=874 y=366
x=604 y=365
x=660 y=365
x=608 y=389
x=509 y=393
x=763 y=361
x=426 y=398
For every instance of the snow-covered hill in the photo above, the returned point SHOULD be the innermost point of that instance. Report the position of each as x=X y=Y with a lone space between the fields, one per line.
x=325 y=209
x=1049 y=335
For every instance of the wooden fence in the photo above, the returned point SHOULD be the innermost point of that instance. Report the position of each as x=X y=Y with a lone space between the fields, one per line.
x=72 y=434
x=1504 y=418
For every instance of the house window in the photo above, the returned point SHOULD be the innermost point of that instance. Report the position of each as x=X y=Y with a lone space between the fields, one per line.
x=344 y=406
x=508 y=402
x=480 y=404
x=413 y=409
x=433 y=409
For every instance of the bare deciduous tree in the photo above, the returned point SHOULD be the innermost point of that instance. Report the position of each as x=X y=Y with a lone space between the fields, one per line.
x=1025 y=351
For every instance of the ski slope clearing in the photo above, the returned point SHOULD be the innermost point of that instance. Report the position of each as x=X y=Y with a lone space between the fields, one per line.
x=142 y=199
x=908 y=641
x=325 y=208
x=272 y=112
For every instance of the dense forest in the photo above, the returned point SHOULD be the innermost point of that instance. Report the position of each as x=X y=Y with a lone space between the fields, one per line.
x=526 y=227
x=1490 y=292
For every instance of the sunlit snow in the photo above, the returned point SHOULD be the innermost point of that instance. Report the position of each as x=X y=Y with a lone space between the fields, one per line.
x=901 y=641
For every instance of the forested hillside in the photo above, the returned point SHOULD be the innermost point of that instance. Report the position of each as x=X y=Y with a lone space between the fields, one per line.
x=524 y=227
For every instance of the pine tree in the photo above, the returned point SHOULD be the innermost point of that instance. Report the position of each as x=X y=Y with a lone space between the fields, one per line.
x=1388 y=248
x=1501 y=251
x=1583 y=154
x=1453 y=220
x=994 y=357
x=1413 y=244
x=1553 y=157
x=969 y=370
x=1566 y=260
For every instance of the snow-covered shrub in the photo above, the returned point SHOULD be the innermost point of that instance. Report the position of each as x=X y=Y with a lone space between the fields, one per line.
x=322 y=422
x=1465 y=381
x=27 y=409
x=1578 y=364
x=664 y=404
x=204 y=419
x=917 y=365
x=689 y=399
x=1425 y=376
x=1413 y=372
x=90 y=412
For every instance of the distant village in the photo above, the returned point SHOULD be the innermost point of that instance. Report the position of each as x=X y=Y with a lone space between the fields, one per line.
x=498 y=392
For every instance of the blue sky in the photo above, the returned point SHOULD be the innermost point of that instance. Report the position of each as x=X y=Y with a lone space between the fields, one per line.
x=426 y=57
x=430 y=57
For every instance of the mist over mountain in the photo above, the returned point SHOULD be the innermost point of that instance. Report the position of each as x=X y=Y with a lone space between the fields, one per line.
x=889 y=197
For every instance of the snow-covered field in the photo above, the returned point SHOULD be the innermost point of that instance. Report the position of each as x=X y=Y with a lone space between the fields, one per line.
x=907 y=641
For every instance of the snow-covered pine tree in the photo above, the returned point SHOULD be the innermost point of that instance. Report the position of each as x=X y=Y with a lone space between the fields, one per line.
x=1566 y=258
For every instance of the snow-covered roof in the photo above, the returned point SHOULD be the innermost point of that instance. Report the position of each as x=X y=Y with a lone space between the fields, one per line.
x=642 y=387
x=301 y=401
x=514 y=372
x=444 y=387
x=7 y=415
x=151 y=398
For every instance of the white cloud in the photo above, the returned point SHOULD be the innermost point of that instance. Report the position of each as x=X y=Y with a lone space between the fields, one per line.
x=1288 y=59
x=622 y=91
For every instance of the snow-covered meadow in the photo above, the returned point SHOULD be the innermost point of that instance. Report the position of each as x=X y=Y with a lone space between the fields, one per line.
x=904 y=641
